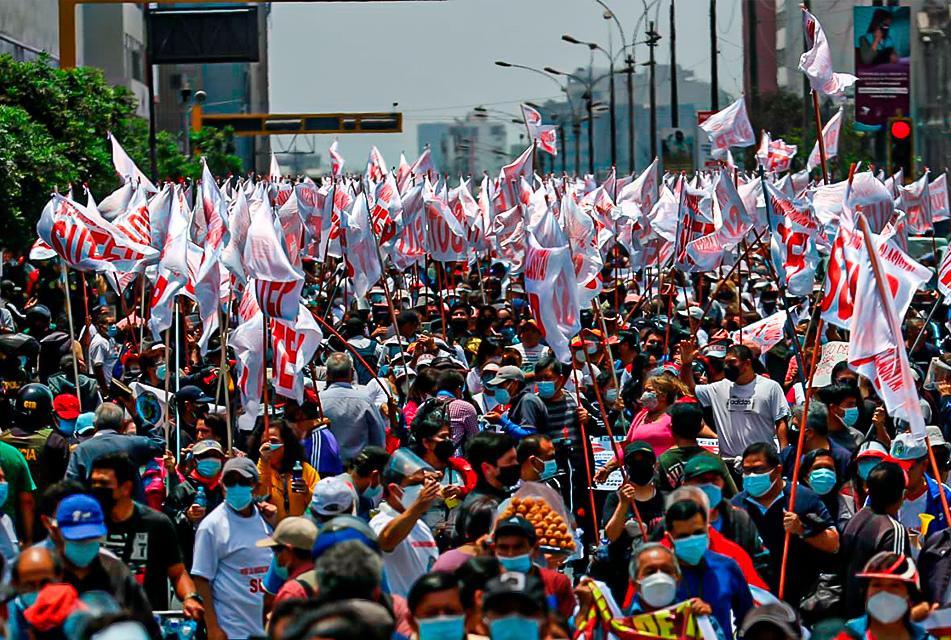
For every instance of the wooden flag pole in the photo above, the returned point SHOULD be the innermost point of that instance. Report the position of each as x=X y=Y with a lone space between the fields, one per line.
x=72 y=331
x=168 y=350
x=821 y=138
x=584 y=447
x=267 y=418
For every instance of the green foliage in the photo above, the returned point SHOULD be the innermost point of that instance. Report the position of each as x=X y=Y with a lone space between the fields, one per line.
x=53 y=128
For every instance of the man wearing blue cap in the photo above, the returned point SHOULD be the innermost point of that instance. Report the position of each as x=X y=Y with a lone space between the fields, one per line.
x=78 y=533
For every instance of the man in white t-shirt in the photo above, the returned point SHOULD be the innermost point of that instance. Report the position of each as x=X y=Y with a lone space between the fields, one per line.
x=103 y=352
x=530 y=346
x=229 y=567
x=746 y=407
x=409 y=548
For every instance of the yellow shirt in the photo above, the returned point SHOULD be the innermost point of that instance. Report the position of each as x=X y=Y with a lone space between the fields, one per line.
x=277 y=486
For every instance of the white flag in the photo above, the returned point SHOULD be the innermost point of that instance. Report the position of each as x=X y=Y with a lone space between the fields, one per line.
x=816 y=62
x=830 y=136
x=729 y=127
x=336 y=160
x=766 y=333
x=552 y=292
x=126 y=168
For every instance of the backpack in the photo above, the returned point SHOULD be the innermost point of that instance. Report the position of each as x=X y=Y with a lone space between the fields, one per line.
x=368 y=353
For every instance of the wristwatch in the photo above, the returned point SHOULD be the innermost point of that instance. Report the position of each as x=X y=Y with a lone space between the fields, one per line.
x=193 y=596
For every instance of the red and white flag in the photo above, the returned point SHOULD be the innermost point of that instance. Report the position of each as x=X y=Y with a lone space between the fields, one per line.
x=696 y=221
x=645 y=189
x=424 y=167
x=294 y=345
x=533 y=119
x=247 y=341
x=336 y=160
x=214 y=211
x=766 y=333
x=729 y=127
x=938 y=191
x=274 y=172
x=362 y=259
x=511 y=175
x=445 y=233
x=583 y=236
x=172 y=268
x=509 y=232
x=944 y=277
x=729 y=214
x=403 y=174
x=376 y=166
x=793 y=241
x=277 y=282
x=916 y=202
x=830 y=137
x=126 y=168
x=775 y=155
x=409 y=246
x=232 y=256
x=816 y=62
x=552 y=292
x=876 y=345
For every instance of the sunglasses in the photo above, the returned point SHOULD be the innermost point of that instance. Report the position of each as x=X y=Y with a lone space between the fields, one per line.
x=244 y=482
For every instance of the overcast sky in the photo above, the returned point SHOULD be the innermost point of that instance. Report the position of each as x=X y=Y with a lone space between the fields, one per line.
x=437 y=59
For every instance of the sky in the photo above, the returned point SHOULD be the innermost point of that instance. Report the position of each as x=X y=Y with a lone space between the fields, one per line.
x=437 y=59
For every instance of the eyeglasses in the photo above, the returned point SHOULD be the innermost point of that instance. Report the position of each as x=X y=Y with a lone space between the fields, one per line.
x=242 y=481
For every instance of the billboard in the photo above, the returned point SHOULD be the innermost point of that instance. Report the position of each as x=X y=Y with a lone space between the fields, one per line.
x=882 y=41
x=676 y=150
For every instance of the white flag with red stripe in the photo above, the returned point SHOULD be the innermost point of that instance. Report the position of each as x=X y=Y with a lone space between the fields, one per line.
x=336 y=160
x=552 y=293
x=376 y=166
x=793 y=241
x=830 y=138
x=938 y=190
x=277 y=282
x=215 y=213
x=294 y=345
x=916 y=202
x=729 y=127
x=766 y=333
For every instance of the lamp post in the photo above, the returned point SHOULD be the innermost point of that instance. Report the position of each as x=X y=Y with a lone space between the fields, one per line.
x=593 y=46
x=575 y=121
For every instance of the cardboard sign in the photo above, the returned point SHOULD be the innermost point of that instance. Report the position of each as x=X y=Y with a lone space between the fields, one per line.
x=832 y=354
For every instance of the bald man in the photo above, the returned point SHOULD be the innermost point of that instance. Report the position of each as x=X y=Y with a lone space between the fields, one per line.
x=33 y=569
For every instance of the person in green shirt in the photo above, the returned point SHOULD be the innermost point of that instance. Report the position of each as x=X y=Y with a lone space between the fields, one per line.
x=686 y=422
x=20 y=487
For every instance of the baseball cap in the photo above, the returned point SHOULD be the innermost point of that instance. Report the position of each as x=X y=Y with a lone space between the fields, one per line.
x=242 y=466
x=872 y=449
x=507 y=374
x=207 y=446
x=639 y=446
x=714 y=351
x=528 y=322
x=85 y=422
x=778 y=614
x=191 y=393
x=517 y=525
x=343 y=528
x=79 y=517
x=66 y=406
x=906 y=447
x=515 y=585
x=332 y=497
x=701 y=465
x=295 y=532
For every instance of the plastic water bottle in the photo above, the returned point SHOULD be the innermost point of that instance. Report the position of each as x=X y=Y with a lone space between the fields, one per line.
x=201 y=500
x=297 y=473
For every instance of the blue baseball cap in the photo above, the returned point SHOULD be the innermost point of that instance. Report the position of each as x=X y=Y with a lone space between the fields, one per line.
x=85 y=422
x=79 y=517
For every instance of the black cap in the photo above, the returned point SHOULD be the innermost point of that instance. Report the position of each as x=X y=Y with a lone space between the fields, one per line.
x=638 y=446
x=191 y=393
x=510 y=585
x=777 y=614
x=516 y=525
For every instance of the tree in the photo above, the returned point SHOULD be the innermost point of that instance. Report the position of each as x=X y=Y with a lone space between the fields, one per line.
x=53 y=133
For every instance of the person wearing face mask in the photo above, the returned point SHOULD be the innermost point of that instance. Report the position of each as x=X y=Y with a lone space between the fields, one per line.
x=229 y=567
x=818 y=472
x=652 y=343
x=892 y=598
x=431 y=441
x=514 y=607
x=409 y=490
x=142 y=538
x=436 y=608
x=32 y=570
x=78 y=531
x=514 y=543
x=530 y=345
x=618 y=515
x=875 y=528
x=460 y=315
x=923 y=493
x=815 y=438
x=713 y=577
x=485 y=398
x=686 y=425
x=813 y=536
x=495 y=462
x=103 y=350
x=291 y=543
x=536 y=459
x=287 y=479
x=527 y=412
x=747 y=408
x=463 y=420
x=845 y=407
x=365 y=475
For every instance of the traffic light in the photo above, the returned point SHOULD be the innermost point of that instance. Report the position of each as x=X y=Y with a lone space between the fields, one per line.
x=901 y=146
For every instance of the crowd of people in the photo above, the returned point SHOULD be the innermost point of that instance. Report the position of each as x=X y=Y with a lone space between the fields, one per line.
x=375 y=508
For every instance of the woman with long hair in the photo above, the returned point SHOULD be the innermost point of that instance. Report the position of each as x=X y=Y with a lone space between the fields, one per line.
x=277 y=452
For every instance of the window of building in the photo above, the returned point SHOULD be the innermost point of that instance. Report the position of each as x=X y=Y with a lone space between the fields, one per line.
x=134 y=58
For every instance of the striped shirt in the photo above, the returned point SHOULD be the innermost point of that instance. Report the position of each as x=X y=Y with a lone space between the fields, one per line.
x=463 y=423
x=563 y=419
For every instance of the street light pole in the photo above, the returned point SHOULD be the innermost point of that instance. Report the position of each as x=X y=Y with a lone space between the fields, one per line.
x=632 y=161
x=652 y=39
x=590 y=113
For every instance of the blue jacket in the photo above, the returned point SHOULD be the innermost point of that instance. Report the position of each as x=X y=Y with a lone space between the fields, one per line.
x=719 y=582
x=933 y=505
x=860 y=627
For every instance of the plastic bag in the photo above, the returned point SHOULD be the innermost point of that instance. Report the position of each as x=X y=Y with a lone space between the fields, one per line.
x=558 y=536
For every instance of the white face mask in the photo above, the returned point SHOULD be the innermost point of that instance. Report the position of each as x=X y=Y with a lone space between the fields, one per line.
x=410 y=494
x=658 y=590
x=886 y=607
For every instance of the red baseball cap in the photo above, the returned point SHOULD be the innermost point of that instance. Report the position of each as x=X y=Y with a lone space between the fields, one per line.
x=66 y=406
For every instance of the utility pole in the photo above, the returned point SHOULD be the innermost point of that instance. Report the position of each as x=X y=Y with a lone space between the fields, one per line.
x=751 y=53
x=652 y=39
x=807 y=115
x=630 y=111
x=613 y=119
x=714 y=81
x=576 y=128
x=674 y=103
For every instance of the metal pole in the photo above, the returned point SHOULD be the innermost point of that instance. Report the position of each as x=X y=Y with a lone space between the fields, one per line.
x=613 y=119
x=564 y=147
x=651 y=42
x=714 y=81
x=590 y=119
x=150 y=81
x=577 y=129
x=674 y=104
x=632 y=159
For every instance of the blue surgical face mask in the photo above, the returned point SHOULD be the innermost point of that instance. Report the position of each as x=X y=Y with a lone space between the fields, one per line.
x=545 y=389
x=80 y=554
x=4 y=493
x=714 y=494
x=865 y=467
x=27 y=599
x=238 y=497
x=112 y=332
x=521 y=563
x=281 y=572
x=514 y=627
x=551 y=468
x=373 y=492
x=822 y=481
x=66 y=427
x=442 y=628
x=276 y=445
x=160 y=371
x=208 y=468
x=690 y=550
x=850 y=416
x=757 y=484
x=610 y=395
x=508 y=333
x=275 y=577
x=502 y=396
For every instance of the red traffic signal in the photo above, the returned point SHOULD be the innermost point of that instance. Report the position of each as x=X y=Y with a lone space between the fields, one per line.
x=900 y=129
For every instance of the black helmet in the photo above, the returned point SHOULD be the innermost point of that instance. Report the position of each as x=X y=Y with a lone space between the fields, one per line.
x=34 y=400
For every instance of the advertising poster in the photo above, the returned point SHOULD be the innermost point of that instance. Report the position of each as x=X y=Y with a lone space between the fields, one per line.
x=882 y=41
x=676 y=150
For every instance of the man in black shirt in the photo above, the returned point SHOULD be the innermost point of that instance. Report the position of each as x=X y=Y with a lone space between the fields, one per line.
x=141 y=537
x=493 y=458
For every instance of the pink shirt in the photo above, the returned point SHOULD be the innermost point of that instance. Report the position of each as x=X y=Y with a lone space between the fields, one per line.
x=656 y=434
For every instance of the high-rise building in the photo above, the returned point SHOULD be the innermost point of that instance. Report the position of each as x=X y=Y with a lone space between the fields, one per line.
x=467 y=146
x=26 y=29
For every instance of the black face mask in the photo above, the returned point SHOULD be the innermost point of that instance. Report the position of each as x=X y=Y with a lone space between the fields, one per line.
x=444 y=449
x=509 y=476
x=656 y=350
x=105 y=497
x=640 y=473
x=731 y=372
